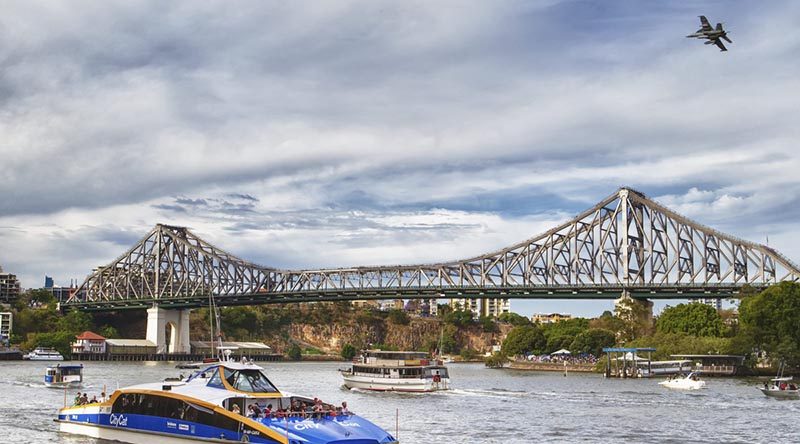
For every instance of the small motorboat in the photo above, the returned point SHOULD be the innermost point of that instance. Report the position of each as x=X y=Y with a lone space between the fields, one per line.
x=781 y=387
x=189 y=365
x=61 y=376
x=692 y=381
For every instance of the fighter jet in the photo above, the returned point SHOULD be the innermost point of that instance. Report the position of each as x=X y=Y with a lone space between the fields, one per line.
x=713 y=35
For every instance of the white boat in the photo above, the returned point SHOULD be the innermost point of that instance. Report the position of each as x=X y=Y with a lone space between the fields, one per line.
x=61 y=376
x=43 y=354
x=692 y=381
x=218 y=404
x=781 y=387
x=399 y=371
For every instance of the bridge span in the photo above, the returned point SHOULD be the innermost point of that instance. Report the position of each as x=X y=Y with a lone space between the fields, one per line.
x=627 y=244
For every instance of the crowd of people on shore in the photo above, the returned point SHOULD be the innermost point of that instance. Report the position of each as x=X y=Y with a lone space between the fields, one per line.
x=583 y=358
x=298 y=409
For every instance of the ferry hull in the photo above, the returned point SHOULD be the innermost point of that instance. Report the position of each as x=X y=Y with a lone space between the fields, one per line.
x=61 y=385
x=43 y=358
x=394 y=385
x=93 y=421
x=121 y=435
x=781 y=394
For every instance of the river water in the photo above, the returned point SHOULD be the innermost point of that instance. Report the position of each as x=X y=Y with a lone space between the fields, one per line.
x=485 y=406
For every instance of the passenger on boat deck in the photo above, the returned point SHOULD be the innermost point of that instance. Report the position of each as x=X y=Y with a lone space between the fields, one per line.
x=297 y=408
x=78 y=399
x=319 y=409
x=280 y=413
x=235 y=409
x=94 y=399
x=345 y=411
x=103 y=396
x=84 y=398
x=253 y=411
x=268 y=411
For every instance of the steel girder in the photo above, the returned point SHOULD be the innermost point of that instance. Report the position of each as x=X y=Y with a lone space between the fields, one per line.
x=626 y=242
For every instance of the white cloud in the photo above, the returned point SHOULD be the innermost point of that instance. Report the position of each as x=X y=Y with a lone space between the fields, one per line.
x=382 y=133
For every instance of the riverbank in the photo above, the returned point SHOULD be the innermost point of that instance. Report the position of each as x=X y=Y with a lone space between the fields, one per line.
x=553 y=367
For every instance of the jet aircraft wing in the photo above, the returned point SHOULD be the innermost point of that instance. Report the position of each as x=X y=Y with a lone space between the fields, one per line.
x=722 y=47
x=706 y=25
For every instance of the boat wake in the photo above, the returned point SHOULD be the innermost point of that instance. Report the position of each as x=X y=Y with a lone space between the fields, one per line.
x=490 y=393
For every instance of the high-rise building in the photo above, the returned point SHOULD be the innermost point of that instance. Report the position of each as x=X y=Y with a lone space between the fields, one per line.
x=48 y=282
x=6 y=325
x=713 y=302
x=9 y=287
x=490 y=307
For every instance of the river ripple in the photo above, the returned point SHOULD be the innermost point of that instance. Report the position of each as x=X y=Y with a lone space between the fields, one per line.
x=486 y=406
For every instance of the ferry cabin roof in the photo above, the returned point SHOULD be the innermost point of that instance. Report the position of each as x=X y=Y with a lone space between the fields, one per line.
x=395 y=354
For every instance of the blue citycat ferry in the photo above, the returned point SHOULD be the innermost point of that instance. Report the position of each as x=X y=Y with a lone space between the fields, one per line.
x=205 y=408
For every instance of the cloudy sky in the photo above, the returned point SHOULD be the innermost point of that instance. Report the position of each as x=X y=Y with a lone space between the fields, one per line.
x=368 y=132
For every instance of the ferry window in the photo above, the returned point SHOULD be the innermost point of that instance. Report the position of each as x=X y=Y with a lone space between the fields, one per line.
x=212 y=419
x=250 y=381
x=123 y=403
x=215 y=380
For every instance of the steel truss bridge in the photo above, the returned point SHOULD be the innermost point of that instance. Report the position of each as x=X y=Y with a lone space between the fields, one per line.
x=626 y=244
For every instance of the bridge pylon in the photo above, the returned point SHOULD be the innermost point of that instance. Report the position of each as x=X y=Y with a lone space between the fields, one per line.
x=168 y=329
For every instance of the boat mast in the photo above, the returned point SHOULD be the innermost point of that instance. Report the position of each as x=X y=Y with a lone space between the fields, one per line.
x=214 y=318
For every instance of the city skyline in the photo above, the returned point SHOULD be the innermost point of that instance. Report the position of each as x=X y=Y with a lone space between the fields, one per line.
x=363 y=133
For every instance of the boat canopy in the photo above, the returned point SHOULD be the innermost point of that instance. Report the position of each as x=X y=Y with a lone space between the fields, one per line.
x=782 y=379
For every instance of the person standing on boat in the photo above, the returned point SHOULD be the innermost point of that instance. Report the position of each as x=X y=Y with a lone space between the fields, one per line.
x=345 y=411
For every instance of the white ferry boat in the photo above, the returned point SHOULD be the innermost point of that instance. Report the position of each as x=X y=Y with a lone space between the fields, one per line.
x=61 y=376
x=217 y=404
x=400 y=371
x=43 y=354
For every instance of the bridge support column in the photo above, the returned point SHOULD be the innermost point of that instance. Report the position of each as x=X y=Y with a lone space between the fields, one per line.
x=168 y=329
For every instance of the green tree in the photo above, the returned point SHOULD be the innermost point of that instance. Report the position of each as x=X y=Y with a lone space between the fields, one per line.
x=294 y=353
x=514 y=319
x=459 y=318
x=468 y=354
x=497 y=360
x=694 y=319
x=771 y=321
x=75 y=322
x=488 y=324
x=636 y=317
x=607 y=321
x=448 y=340
x=592 y=341
x=348 y=352
x=108 y=332
x=561 y=334
x=524 y=340
x=398 y=317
